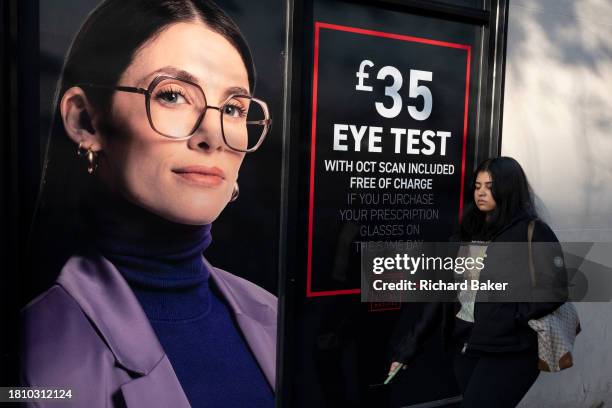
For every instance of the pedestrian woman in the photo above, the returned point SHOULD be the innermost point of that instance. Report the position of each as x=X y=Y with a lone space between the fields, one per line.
x=495 y=350
x=154 y=115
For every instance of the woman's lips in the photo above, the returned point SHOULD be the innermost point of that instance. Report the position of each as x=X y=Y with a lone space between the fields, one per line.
x=201 y=175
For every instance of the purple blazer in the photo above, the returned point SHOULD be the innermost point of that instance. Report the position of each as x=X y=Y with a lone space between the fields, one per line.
x=89 y=333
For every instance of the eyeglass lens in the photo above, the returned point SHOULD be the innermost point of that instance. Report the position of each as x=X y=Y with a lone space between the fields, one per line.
x=175 y=108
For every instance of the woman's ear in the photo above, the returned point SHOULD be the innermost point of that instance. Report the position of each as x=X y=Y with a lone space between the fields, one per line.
x=77 y=115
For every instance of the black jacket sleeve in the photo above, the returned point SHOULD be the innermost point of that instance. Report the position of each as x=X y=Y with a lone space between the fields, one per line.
x=412 y=340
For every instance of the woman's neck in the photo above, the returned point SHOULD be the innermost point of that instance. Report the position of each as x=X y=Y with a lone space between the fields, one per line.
x=161 y=260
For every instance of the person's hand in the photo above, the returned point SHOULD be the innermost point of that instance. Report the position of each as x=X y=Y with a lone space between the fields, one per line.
x=394 y=366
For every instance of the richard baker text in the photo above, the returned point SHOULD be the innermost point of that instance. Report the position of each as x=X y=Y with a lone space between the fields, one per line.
x=438 y=285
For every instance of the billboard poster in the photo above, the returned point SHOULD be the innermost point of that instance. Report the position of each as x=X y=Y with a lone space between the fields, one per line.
x=155 y=230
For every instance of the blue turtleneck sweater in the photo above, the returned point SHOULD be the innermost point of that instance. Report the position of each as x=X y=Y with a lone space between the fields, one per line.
x=162 y=262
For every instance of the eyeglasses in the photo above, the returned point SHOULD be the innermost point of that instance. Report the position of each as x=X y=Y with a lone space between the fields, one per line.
x=176 y=107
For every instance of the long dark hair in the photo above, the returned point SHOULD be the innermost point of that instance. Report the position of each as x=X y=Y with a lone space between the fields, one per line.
x=511 y=193
x=101 y=51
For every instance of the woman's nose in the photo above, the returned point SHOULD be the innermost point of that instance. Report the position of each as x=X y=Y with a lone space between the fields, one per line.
x=208 y=135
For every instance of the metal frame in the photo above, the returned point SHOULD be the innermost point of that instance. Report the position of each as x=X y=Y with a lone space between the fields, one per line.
x=498 y=39
x=7 y=184
x=19 y=82
x=436 y=9
x=287 y=249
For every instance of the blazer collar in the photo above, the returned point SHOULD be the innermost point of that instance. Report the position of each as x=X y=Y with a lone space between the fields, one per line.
x=255 y=316
x=108 y=301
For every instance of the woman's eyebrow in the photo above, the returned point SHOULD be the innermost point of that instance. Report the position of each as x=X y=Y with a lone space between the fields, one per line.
x=172 y=71
x=236 y=90
x=184 y=75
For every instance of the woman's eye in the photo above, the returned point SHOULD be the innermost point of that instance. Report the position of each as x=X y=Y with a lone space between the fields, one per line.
x=233 y=111
x=171 y=97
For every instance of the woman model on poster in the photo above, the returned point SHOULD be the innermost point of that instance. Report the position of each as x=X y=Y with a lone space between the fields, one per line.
x=495 y=350
x=154 y=115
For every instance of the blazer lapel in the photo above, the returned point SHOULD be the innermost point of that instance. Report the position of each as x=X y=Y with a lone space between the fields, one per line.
x=254 y=315
x=261 y=342
x=158 y=389
x=107 y=300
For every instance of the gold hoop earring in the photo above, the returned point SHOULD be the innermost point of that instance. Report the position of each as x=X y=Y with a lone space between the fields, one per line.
x=235 y=193
x=92 y=158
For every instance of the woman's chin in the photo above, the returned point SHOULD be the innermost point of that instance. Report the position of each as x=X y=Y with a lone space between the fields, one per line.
x=195 y=219
x=196 y=209
x=483 y=208
x=189 y=216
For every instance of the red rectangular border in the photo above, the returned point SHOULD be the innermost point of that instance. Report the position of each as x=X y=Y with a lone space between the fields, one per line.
x=315 y=80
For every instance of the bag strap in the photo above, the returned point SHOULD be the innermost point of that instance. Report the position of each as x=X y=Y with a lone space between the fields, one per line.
x=530 y=229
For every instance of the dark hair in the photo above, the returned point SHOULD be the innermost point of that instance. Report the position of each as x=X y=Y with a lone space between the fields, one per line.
x=511 y=193
x=101 y=51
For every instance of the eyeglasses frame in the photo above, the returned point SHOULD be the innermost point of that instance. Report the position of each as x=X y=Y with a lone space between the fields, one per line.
x=267 y=122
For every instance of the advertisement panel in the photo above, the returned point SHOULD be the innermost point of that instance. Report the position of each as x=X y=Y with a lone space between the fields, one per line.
x=388 y=144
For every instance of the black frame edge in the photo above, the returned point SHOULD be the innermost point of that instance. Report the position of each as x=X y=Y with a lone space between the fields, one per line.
x=286 y=278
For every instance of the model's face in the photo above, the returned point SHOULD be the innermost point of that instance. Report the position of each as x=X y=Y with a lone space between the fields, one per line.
x=482 y=193
x=186 y=181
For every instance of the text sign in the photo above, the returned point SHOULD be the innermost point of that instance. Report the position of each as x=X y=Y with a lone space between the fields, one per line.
x=388 y=139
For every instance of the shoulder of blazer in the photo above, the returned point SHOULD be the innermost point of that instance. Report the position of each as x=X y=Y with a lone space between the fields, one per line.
x=57 y=341
x=71 y=344
x=255 y=310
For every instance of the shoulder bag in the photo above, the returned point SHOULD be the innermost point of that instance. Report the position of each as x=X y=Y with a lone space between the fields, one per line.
x=556 y=331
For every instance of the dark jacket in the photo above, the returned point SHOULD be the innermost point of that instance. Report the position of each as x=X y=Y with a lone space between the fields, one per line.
x=500 y=326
